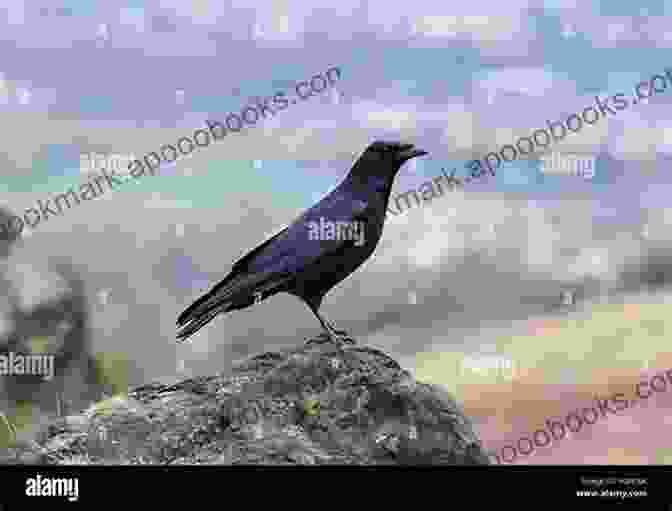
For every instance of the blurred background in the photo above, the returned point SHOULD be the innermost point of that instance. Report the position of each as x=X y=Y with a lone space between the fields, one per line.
x=565 y=278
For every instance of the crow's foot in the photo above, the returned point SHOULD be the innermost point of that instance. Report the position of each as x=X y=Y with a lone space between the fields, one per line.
x=339 y=337
x=320 y=339
x=342 y=338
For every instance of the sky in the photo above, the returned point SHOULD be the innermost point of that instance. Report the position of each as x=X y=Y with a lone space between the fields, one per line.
x=457 y=79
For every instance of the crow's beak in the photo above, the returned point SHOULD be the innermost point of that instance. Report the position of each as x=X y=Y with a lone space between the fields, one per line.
x=408 y=151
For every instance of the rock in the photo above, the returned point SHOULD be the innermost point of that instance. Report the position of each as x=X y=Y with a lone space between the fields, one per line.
x=320 y=404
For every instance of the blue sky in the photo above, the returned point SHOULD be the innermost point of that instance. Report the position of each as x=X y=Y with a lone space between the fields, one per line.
x=115 y=66
x=114 y=75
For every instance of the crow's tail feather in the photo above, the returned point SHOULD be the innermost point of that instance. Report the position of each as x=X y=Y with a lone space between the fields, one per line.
x=234 y=287
x=207 y=301
x=232 y=293
x=195 y=325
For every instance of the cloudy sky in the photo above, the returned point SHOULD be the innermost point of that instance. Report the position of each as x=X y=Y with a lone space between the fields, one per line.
x=457 y=79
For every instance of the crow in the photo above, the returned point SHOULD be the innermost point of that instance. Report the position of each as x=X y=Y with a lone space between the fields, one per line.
x=296 y=261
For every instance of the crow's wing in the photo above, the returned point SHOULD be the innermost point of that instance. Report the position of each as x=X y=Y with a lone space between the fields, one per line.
x=291 y=250
x=278 y=259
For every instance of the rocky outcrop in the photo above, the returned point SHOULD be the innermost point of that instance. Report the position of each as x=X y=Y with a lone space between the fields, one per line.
x=320 y=404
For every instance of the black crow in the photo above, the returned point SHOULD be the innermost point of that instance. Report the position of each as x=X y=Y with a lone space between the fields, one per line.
x=315 y=252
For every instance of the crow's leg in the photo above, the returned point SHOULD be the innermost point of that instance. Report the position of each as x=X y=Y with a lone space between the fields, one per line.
x=341 y=333
x=338 y=336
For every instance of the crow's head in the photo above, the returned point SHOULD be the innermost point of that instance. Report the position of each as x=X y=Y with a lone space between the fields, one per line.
x=392 y=153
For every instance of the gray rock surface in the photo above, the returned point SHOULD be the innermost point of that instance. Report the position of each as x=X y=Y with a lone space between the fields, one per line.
x=319 y=404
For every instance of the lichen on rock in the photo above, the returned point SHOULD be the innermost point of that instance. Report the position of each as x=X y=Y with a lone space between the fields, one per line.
x=319 y=404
